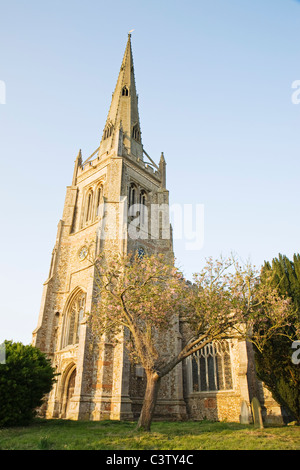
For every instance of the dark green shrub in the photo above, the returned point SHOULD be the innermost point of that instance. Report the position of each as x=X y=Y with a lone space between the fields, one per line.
x=274 y=365
x=282 y=377
x=25 y=377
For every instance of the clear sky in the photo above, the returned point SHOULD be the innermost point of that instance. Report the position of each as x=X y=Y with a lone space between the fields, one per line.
x=214 y=79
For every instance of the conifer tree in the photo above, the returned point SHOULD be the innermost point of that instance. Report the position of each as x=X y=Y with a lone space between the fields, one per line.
x=275 y=366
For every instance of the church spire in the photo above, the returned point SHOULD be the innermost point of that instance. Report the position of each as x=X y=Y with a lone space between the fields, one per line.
x=123 y=115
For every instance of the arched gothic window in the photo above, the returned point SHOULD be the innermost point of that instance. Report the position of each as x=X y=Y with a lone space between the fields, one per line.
x=136 y=133
x=143 y=206
x=89 y=207
x=108 y=131
x=73 y=318
x=132 y=195
x=209 y=369
x=98 y=199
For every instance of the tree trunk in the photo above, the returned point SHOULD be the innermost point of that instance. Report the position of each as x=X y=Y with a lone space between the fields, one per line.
x=152 y=388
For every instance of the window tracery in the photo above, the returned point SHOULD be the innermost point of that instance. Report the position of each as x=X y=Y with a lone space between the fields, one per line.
x=210 y=368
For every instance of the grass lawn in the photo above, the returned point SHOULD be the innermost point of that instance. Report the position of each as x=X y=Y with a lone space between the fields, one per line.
x=115 y=435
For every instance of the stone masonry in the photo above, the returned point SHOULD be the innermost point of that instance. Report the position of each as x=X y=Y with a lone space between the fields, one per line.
x=97 y=381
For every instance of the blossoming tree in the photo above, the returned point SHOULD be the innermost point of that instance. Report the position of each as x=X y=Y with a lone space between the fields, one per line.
x=146 y=296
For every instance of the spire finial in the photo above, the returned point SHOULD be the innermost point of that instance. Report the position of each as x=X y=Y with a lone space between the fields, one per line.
x=79 y=157
x=162 y=169
x=78 y=163
x=129 y=33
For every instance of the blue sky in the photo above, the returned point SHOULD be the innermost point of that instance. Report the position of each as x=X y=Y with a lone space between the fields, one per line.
x=214 y=79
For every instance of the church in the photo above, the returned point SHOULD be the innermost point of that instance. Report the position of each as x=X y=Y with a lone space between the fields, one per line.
x=99 y=382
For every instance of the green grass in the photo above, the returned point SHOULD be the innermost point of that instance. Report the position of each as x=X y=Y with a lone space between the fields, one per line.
x=115 y=435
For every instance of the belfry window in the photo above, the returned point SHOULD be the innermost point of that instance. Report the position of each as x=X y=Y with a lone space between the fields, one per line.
x=132 y=195
x=89 y=205
x=125 y=91
x=143 y=207
x=136 y=133
x=209 y=369
x=108 y=131
x=98 y=200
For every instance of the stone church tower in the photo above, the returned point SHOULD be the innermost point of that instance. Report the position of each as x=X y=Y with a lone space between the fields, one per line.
x=102 y=384
x=98 y=382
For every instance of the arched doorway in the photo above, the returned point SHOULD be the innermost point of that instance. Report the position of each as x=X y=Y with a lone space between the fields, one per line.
x=68 y=390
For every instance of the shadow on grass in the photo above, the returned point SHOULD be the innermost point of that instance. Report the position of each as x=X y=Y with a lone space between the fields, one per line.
x=63 y=434
x=161 y=427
